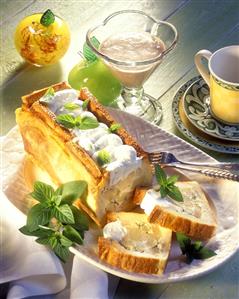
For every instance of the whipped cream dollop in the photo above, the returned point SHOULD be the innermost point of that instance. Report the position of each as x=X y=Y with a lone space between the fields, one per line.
x=123 y=158
x=152 y=199
x=114 y=231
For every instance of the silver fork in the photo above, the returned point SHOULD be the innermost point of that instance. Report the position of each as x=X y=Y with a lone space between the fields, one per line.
x=217 y=170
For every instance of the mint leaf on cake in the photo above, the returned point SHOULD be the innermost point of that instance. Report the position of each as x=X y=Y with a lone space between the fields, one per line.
x=167 y=184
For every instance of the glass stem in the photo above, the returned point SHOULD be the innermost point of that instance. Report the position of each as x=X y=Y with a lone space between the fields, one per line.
x=132 y=95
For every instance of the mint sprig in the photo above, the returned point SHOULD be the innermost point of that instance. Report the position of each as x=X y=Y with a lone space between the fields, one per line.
x=48 y=96
x=83 y=123
x=71 y=106
x=47 y=18
x=103 y=157
x=167 y=184
x=114 y=127
x=88 y=53
x=54 y=220
x=193 y=250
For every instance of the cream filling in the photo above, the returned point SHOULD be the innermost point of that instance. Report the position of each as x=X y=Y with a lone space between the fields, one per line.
x=124 y=158
x=114 y=231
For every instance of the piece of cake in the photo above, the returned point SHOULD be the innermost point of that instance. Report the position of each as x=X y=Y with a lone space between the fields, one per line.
x=131 y=243
x=193 y=216
x=112 y=163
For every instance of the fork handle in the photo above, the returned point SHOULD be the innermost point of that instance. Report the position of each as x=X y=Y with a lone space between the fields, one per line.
x=223 y=166
x=216 y=173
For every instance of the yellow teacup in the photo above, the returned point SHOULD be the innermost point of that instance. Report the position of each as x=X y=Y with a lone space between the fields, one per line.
x=223 y=81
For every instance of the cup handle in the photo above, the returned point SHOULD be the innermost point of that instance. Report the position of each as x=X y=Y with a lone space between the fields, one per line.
x=200 y=67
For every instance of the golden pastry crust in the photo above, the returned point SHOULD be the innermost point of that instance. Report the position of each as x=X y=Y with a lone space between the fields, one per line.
x=177 y=223
x=114 y=254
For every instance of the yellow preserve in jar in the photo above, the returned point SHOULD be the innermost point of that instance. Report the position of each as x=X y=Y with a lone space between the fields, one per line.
x=42 y=39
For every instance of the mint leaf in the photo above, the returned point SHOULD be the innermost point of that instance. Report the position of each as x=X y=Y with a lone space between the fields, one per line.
x=48 y=96
x=204 y=253
x=38 y=215
x=71 y=106
x=174 y=192
x=103 y=157
x=88 y=53
x=72 y=191
x=65 y=241
x=56 y=199
x=172 y=179
x=163 y=191
x=63 y=214
x=43 y=241
x=85 y=104
x=114 y=127
x=66 y=120
x=198 y=245
x=72 y=234
x=160 y=175
x=183 y=241
x=59 y=190
x=53 y=242
x=88 y=123
x=42 y=192
x=193 y=250
x=37 y=233
x=47 y=18
x=70 y=122
x=81 y=220
x=54 y=222
x=167 y=184
x=62 y=252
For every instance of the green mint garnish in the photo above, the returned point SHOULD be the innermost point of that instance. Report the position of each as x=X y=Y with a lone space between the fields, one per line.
x=103 y=157
x=66 y=120
x=48 y=96
x=47 y=18
x=54 y=220
x=167 y=184
x=88 y=123
x=193 y=250
x=71 y=106
x=88 y=53
x=114 y=127
x=71 y=122
x=85 y=104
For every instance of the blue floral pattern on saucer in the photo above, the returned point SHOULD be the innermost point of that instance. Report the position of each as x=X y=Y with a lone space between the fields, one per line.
x=197 y=109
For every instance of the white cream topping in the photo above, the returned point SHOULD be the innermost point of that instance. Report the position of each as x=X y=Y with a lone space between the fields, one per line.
x=151 y=199
x=114 y=231
x=124 y=158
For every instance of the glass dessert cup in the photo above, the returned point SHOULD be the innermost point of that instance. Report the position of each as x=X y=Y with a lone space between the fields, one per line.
x=133 y=66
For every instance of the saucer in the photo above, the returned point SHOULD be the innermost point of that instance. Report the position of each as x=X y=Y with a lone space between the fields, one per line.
x=196 y=107
x=194 y=134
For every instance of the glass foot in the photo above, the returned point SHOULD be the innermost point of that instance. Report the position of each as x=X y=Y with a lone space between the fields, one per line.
x=147 y=108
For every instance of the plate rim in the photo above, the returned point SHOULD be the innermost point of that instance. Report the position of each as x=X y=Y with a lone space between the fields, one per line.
x=187 y=133
x=196 y=124
x=149 y=278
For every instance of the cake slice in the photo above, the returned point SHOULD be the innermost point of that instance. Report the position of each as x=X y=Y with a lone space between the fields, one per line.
x=131 y=243
x=194 y=216
x=112 y=163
